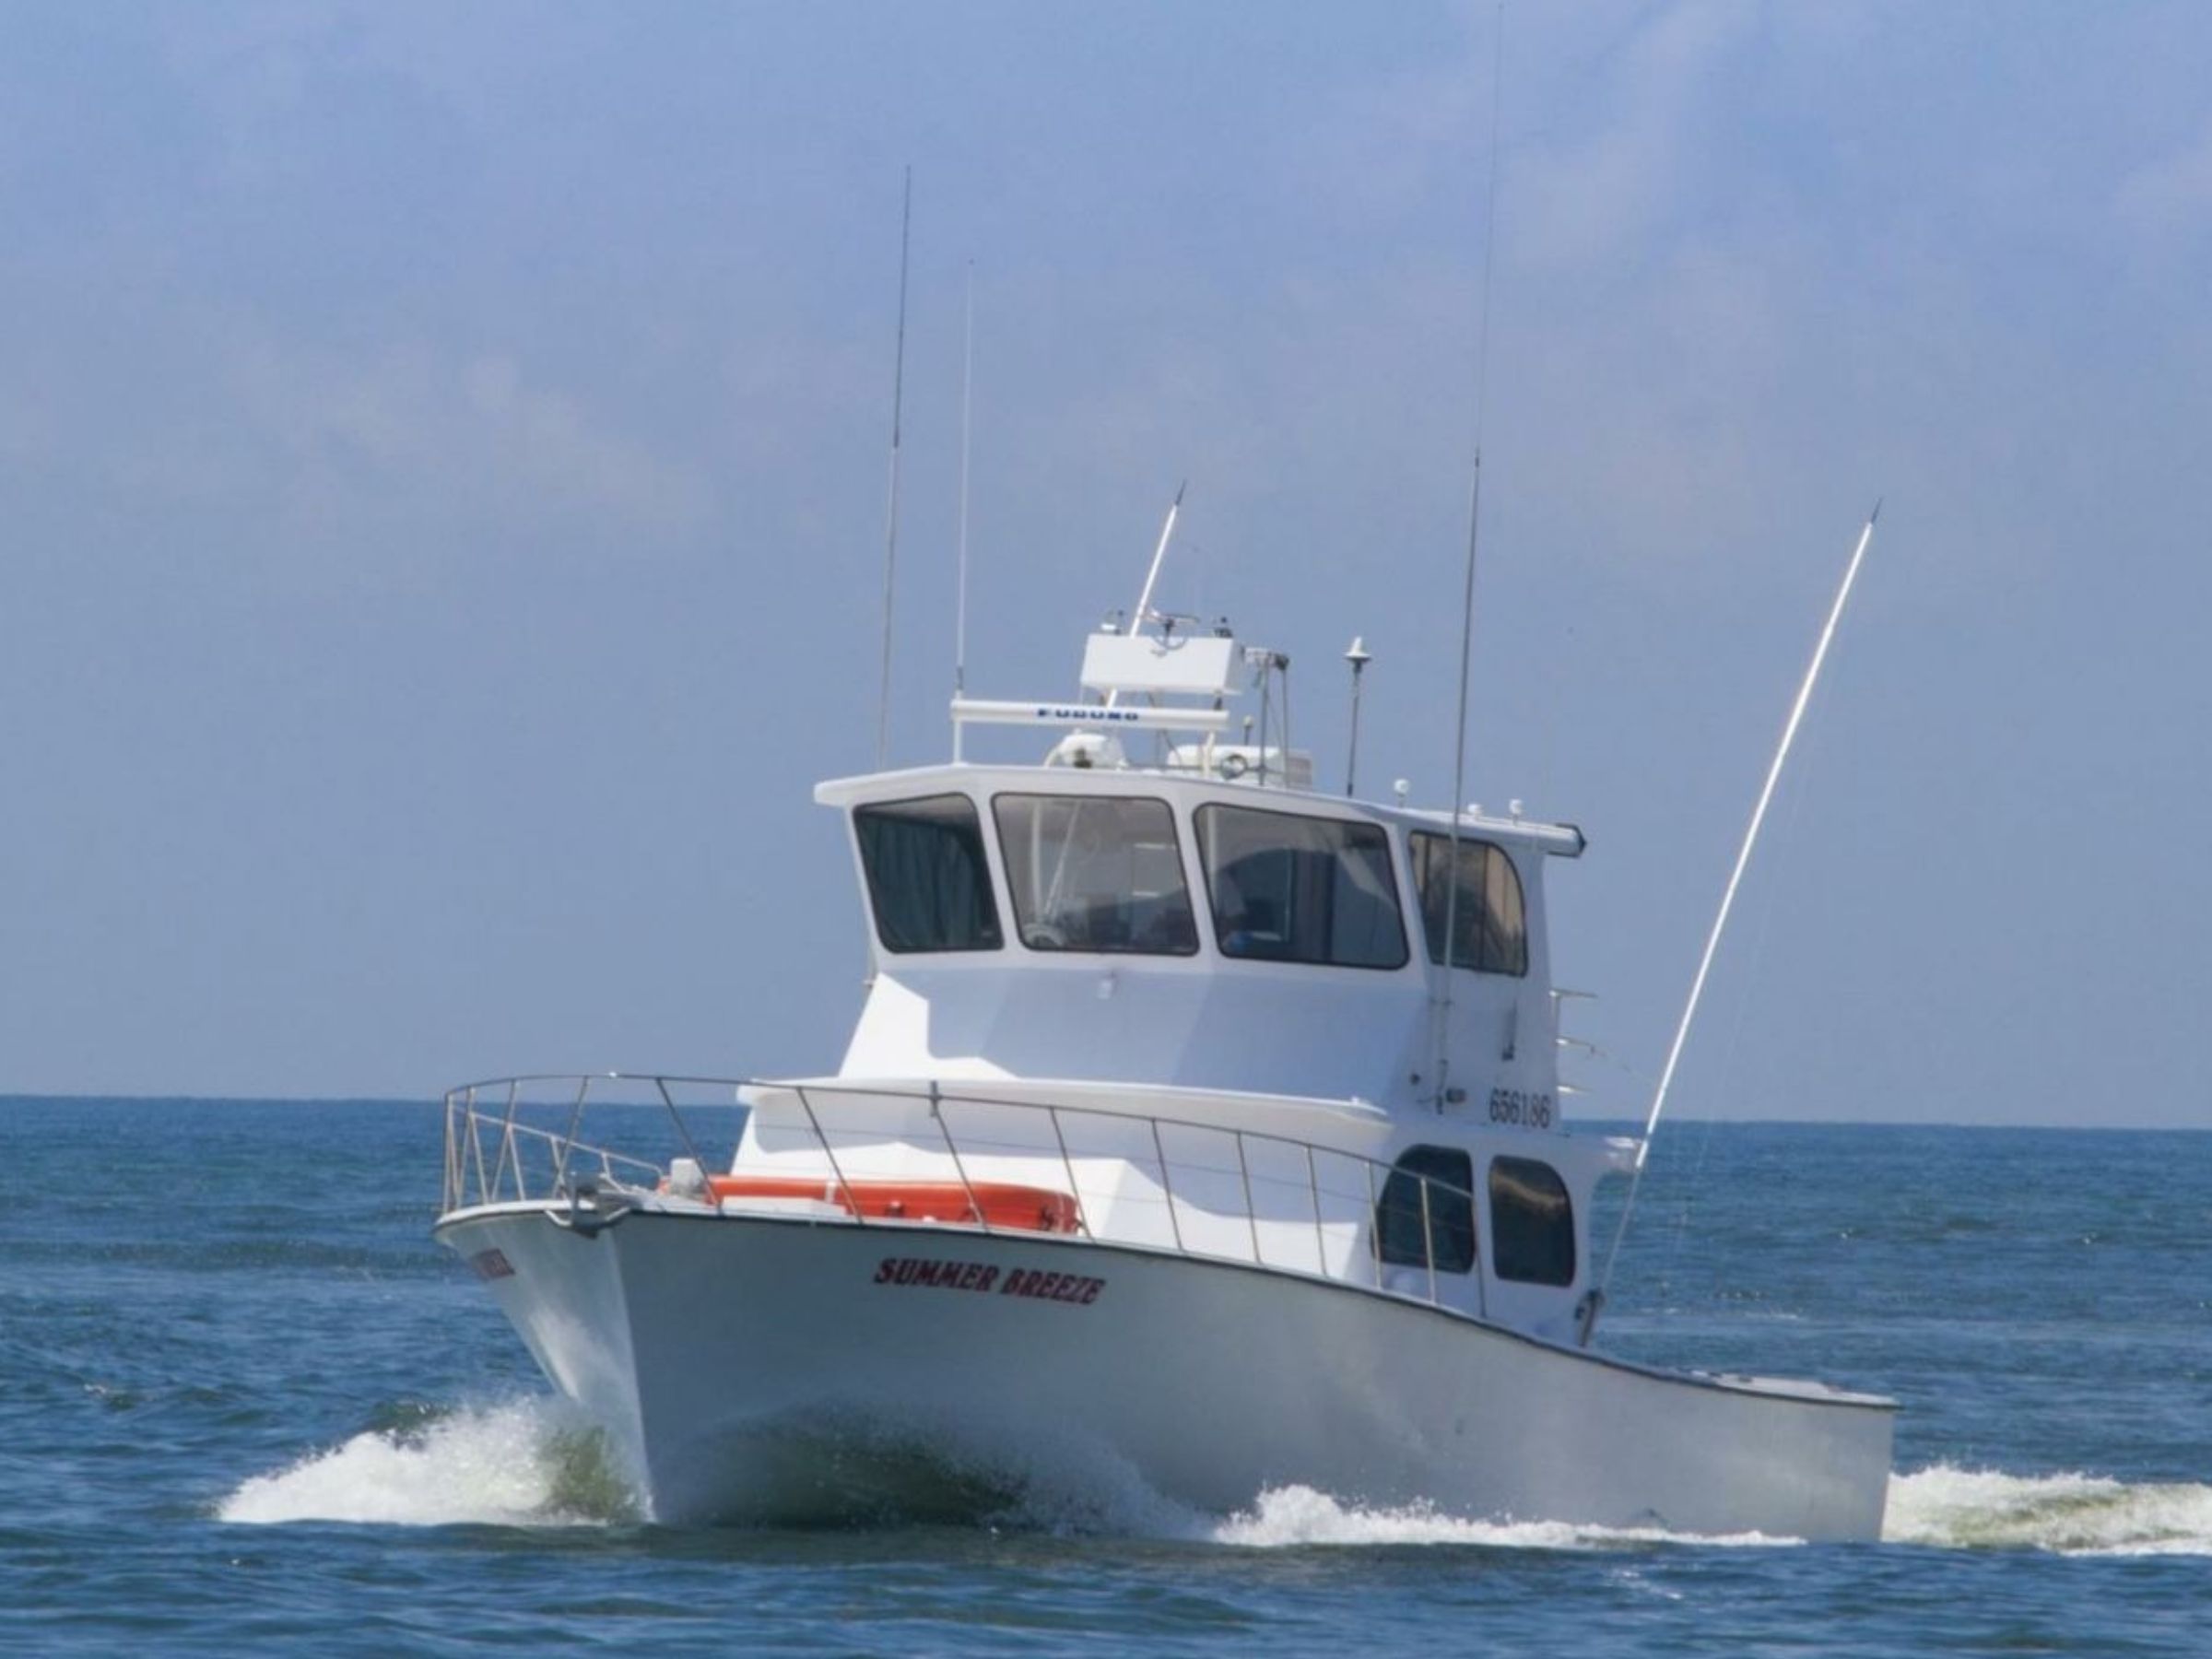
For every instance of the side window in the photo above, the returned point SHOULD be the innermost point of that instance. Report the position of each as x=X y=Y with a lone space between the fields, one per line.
x=1290 y=887
x=1490 y=924
x=1532 y=1223
x=928 y=882
x=1095 y=873
x=1449 y=1176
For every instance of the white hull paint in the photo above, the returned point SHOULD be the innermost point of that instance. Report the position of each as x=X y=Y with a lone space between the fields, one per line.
x=762 y=1371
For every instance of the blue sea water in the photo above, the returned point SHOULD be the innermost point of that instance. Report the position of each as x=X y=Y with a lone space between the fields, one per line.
x=245 y=1402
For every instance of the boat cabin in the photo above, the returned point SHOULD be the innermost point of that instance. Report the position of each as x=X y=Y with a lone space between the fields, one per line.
x=1145 y=927
x=1207 y=942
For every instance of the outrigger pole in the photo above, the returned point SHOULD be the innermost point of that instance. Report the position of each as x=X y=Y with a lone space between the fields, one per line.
x=1596 y=1299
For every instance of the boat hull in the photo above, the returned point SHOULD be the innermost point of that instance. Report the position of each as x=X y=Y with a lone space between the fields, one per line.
x=776 y=1369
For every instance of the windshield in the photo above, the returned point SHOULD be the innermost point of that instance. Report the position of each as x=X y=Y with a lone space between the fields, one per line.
x=1292 y=888
x=1096 y=873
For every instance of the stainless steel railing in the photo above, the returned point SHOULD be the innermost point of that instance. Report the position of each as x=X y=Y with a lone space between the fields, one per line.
x=1193 y=1189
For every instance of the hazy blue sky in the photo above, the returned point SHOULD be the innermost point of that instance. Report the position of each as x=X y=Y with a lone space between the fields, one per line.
x=441 y=456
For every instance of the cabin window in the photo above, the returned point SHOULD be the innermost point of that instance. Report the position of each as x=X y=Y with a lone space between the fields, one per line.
x=1292 y=888
x=928 y=881
x=1449 y=1175
x=1532 y=1222
x=1490 y=924
x=1095 y=873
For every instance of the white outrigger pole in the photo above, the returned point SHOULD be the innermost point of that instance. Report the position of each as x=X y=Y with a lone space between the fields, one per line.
x=1596 y=1299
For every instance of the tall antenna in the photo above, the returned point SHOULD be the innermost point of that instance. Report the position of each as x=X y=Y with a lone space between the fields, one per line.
x=890 y=527
x=959 y=618
x=1720 y=922
x=1467 y=622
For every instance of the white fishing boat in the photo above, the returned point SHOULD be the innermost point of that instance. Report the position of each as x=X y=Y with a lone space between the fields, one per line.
x=1198 y=1128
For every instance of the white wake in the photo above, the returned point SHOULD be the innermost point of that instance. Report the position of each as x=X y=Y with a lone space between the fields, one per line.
x=2070 y=1514
x=537 y=1463
x=527 y=1464
x=1940 y=1506
x=1296 y=1516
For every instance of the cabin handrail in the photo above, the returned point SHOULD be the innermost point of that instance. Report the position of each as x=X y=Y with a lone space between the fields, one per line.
x=493 y=1156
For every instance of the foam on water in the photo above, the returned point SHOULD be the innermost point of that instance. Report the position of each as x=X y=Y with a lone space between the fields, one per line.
x=530 y=1463
x=2070 y=1515
x=1943 y=1506
x=536 y=1463
x=1297 y=1516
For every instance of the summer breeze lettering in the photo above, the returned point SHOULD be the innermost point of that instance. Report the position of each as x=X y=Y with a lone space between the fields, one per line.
x=979 y=1276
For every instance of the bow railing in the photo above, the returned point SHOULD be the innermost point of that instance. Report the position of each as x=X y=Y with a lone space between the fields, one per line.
x=1210 y=1191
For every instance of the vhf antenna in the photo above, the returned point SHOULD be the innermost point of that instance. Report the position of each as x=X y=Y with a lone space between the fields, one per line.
x=890 y=527
x=960 y=615
x=1466 y=617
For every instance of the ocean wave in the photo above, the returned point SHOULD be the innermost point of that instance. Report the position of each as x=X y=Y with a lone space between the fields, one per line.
x=2068 y=1514
x=528 y=1462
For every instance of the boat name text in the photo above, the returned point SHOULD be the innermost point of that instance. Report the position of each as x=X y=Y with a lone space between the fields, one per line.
x=1075 y=1287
